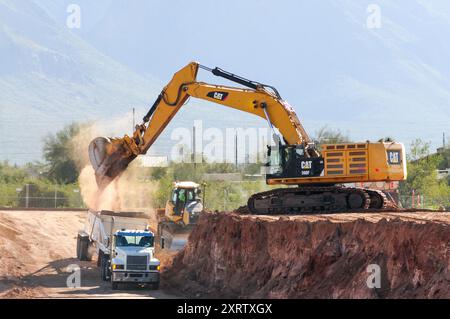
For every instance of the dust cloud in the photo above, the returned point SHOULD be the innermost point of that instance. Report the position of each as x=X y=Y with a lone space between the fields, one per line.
x=128 y=192
x=125 y=193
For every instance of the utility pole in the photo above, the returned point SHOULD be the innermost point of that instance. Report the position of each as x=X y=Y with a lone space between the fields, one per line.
x=443 y=140
x=193 y=147
x=134 y=122
x=27 y=195
x=236 y=150
x=204 y=194
x=56 y=196
x=225 y=199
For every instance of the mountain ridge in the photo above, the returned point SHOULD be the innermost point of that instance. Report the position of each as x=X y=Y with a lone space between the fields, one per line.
x=369 y=83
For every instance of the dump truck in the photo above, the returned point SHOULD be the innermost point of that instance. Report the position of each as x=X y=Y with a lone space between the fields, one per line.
x=125 y=247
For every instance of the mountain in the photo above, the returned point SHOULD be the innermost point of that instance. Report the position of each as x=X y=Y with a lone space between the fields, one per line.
x=50 y=76
x=369 y=83
x=321 y=55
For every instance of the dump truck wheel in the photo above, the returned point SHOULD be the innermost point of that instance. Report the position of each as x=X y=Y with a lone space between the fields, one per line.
x=99 y=258
x=154 y=286
x=78 y=247
x=82 y=247
x=88 y=256
x=114 y=285
x=104 y=268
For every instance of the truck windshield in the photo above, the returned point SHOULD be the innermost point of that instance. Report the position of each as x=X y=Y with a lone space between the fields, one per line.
x=134 y=241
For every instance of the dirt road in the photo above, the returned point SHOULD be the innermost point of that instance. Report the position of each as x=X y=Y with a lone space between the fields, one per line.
x=36 y=248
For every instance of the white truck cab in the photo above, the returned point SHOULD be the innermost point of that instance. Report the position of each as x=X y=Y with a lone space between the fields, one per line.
x=125 y=247
x=133 y=257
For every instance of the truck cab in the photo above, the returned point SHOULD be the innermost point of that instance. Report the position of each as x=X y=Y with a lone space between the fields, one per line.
x=125 y=247
x=133 y=258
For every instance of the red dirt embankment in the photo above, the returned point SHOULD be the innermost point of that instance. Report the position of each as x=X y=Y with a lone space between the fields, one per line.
x=231 y=255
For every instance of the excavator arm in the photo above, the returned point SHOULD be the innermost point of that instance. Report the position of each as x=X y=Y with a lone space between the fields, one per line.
x=110 y=157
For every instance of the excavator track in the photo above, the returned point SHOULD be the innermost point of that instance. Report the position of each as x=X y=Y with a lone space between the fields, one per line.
x=378 y=199
x=316 y=200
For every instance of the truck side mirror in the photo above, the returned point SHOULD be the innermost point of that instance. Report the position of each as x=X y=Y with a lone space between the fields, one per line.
x=162 y=242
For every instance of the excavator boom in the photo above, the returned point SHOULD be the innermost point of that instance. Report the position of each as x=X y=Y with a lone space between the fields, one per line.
x=111 y=157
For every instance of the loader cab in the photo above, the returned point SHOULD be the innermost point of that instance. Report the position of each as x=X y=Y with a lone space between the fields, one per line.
x=290 y=161
x=185 y=196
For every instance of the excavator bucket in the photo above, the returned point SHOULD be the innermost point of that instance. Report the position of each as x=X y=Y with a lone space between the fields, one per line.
x=109 y=158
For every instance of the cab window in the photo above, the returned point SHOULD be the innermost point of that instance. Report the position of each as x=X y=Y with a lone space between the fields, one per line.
x=174 y=196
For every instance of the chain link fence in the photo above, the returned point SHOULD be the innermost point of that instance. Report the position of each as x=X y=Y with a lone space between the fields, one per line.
x=63 y=197
x=34 y=196
x=419 y=201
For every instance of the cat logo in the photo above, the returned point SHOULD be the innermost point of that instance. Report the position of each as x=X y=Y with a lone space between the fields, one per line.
x=394 y=157
x=306 y=164
x=216 y=95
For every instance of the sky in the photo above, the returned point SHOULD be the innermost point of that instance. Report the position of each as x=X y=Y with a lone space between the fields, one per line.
x=368 y=68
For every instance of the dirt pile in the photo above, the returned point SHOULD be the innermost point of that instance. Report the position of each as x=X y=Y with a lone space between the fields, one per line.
x=30 y=243
x=231 y=255
x=36 y=250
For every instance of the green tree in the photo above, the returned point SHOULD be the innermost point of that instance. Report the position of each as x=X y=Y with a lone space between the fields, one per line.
x=445 y=163
x=58 y=154
x=11 y=174
x=422 y=175
x=326 y=135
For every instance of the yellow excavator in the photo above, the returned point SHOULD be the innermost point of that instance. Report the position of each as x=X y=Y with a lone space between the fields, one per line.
x=315 y=176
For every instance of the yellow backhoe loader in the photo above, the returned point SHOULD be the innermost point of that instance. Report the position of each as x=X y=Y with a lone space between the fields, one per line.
x=181 y=213
x=316 y=177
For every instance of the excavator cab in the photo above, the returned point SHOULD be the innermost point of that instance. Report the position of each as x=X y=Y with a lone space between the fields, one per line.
x=293 y=161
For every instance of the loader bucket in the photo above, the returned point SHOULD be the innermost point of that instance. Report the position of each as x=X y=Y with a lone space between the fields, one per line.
x=175 y=237
x=109 y=158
